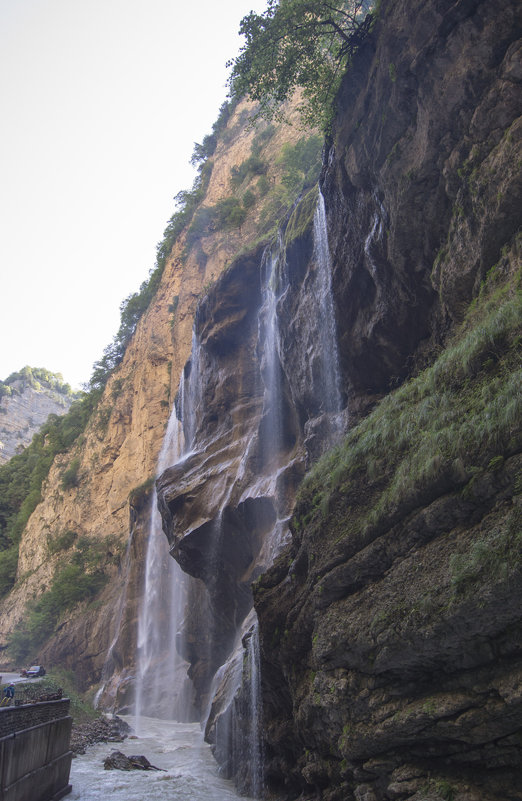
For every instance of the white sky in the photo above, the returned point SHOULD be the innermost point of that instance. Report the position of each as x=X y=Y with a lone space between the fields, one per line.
x=101 y=102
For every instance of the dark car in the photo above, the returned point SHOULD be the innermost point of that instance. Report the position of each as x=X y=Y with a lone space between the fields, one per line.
x=35 y=670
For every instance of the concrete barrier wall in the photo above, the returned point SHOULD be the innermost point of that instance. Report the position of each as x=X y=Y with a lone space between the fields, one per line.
x=16 y=718
x=35 y=760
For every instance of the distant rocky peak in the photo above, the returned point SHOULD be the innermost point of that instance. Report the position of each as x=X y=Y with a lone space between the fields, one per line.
x=27 y=398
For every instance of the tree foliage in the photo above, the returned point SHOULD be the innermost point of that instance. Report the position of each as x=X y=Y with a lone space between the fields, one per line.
x=38 y=378
x=80 y=580
x=299 y=43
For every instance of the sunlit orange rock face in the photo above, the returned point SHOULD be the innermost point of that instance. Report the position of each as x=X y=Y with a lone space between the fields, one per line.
x=119 y=450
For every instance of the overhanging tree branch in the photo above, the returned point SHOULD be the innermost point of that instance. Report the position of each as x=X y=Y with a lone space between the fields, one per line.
x=299 y=43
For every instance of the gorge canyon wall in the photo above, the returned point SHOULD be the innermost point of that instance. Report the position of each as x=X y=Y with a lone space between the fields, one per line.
x=390 y=629
x=379 y=652
x=375 y=682
x=23 y=410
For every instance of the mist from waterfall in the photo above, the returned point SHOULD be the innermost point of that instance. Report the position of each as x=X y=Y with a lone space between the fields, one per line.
x=162 y=686
x=111 y=659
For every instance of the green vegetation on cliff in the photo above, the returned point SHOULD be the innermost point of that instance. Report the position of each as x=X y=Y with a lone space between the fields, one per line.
x=137 y=303
x=22 y=477
x=38 y=378
x=456 y=421
x=79 y=580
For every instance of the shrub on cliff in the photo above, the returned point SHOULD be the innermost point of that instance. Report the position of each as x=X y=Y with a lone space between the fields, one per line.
x=22 y=476
x=70 y=476
x=80 y=580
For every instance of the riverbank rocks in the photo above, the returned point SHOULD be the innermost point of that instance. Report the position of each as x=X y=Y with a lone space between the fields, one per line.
x=100 y=730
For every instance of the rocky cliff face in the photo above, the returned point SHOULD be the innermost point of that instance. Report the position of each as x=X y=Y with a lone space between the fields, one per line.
x=422 y=187
x=260 y=403
x=117 y=455
x=390 y=628
x=23 y=412
x=387 y=655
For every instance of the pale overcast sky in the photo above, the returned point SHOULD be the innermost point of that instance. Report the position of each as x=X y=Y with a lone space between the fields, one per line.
x=101 y=102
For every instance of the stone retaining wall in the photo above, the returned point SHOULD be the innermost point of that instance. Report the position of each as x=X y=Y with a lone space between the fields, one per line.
x=35 y=758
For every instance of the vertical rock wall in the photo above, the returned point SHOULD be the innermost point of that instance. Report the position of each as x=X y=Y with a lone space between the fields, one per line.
x=382 y=681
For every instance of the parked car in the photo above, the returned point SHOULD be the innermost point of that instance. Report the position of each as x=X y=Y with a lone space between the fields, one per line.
x=33 y=671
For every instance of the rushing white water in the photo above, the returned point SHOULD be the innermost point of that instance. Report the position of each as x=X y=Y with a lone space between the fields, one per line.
x=162 y=686
x=274 y=280
x=189 y=770
x=330 y=378
x=255 y=743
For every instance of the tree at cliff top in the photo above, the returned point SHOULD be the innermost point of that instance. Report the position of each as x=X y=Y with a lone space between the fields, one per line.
x=299 y=44
x=38 y=378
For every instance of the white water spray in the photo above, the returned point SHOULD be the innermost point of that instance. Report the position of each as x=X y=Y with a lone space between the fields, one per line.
x=330 y=379
x=255 y=743
x=162 y=686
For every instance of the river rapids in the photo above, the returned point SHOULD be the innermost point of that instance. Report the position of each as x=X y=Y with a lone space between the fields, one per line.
x=189 y=772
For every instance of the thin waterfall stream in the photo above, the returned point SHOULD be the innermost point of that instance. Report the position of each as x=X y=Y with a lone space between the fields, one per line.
x=162 y=686
x=330 y=378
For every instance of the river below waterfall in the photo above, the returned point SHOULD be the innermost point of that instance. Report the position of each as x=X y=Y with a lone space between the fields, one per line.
x=189 y=770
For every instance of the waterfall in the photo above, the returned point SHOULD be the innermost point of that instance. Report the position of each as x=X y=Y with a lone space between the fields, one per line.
x=255 y=744
x=190 y=389
x=239 y=733
x=234 y=723
x=274 y=280
x=162 y=687
x=330 y=373
x=375 y=235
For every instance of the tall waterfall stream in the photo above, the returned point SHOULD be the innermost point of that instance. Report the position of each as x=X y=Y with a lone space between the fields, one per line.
x=162 y=687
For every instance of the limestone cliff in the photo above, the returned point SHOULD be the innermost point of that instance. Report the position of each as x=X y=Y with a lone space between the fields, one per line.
x=109 y=500
x=380 y=314
x=25 y=405
x=422 y=190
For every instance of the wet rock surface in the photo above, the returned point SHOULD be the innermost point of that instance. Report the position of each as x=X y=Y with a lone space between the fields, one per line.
x=420 y=185
x=118 y=761
x=361 y=700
